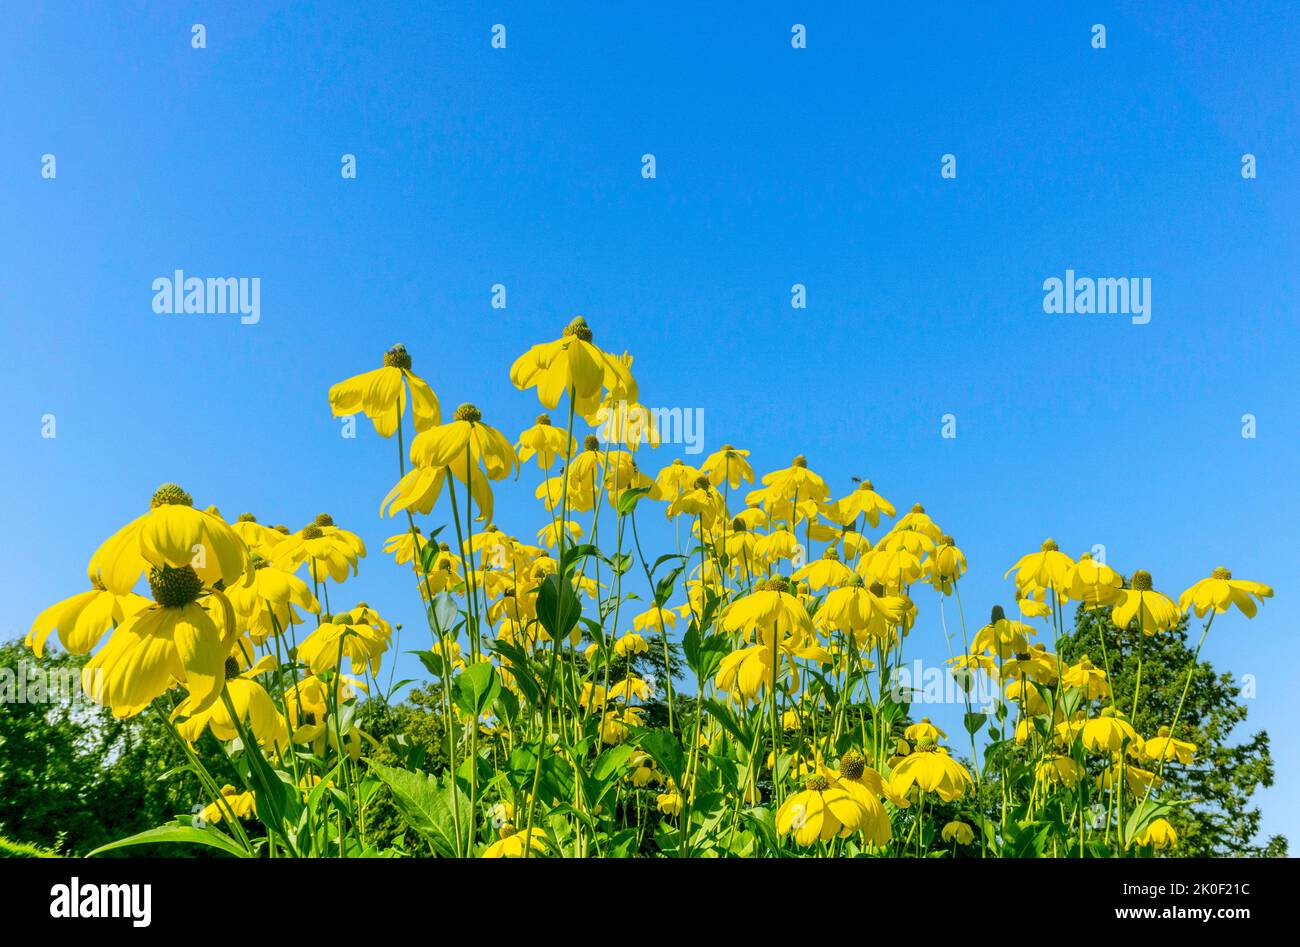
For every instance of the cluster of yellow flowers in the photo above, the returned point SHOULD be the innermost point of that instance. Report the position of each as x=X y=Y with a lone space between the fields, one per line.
x=784 y=648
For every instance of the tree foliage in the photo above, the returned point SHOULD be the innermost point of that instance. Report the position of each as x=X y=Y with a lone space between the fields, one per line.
x=1230 y=763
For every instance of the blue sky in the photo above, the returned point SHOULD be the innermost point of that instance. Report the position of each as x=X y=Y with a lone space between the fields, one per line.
x=774 y=166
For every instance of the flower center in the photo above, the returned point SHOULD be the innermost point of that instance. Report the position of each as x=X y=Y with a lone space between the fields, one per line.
x=246 y=518
x=467 y=412
x=1222 y=573
x=1141 y=581
x=578 y=328
x=169 y=494
x=799 y=461
x=817 y=783
x=702 y=483
x=324 y=519
x=326 y=618
x=232 y=668
x=312 y=532
x=831 y=553
x=852 y=764
x=1049 y=545
x=544 y=420
x=591 y=442
x=997 y=615
x=173 y=588
x=397 y=357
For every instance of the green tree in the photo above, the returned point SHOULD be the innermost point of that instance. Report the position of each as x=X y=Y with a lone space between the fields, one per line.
x=1224 y=774
x=74 y=777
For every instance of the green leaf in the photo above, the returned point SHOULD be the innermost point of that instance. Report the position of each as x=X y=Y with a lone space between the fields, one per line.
x=667 y=752
x=432 y=662
x=179 y=834
x=443 y=614
x=558 y=607
x=620 y=562
x=427 y=807
x=723 y=714
x=974 y=721
x=629 y=498
x=704 y=653
x=612 y=763
x=476 y=688
x=569 y=561
x=664 y=587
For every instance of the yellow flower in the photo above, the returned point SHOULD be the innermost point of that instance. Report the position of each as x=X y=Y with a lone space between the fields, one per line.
x=327 y=550
x=1163 y=747
x=241 y=805
x=258 y=538
x=1091 y=680
x=1153 y=611
x=930 y=769
x=340 y=637
x=1055 y=768
x=630 y=643
x=265 y=607
x=1027 y=696
x=82 y=619
x=549 y=535
x=917 y=520
x=1094 y=583
x=625 y=422
x=511 y=843
x=253 y=708
x=924 y=730
x=820 y=812
x=728 y=465
x=769 y=608
x=894 y=569
x=958 y=832
x=864 y=501
x=828 y=570
x=1220 y=592
x=702 y=500
x=381 y=395
x=573 y=364
x=307 y=706
x=459 y=446
x=545 y=442
x=946 y=565
x=1049 y=568
x=1030 y=607
x=174 y=641
x=670 y=802
x=1001 y=636
x=1108 y=733
x=795 y=481
x=175 y=535
x=1159 y=834
x=862 y=612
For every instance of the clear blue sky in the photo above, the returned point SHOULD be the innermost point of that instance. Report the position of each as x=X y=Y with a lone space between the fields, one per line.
x=775 y=166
